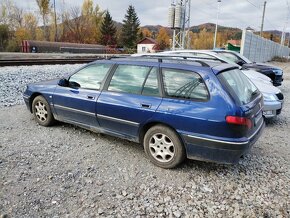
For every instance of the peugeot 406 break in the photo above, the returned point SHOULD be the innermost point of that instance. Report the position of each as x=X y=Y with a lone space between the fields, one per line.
x=175 y=108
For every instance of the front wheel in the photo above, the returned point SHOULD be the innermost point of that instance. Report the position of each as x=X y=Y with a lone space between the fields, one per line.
x=42 y=111
x=163 y=147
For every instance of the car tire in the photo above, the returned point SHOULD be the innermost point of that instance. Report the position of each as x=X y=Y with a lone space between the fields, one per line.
x=163 y=147
x=42 y=112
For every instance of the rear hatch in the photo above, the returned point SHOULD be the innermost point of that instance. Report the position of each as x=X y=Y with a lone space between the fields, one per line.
x=247 y=119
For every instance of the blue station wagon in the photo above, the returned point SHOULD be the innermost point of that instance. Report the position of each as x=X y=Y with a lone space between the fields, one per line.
x=175 y=108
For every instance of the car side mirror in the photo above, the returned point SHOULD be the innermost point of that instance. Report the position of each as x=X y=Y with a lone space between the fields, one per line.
x=63 y=82
x=241 y=63
x=74 y=85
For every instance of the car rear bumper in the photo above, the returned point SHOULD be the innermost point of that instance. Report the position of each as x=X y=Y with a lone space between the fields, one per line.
x=272 y=108
x=212 y=150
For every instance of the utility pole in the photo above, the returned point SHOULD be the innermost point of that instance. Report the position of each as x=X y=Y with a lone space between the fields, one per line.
x=283 y=36
x=216 y=25
x=55 y=24
x=263 y=18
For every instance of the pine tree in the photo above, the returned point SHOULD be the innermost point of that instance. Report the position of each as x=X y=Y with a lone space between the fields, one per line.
x=108 y=30
x=130 y=29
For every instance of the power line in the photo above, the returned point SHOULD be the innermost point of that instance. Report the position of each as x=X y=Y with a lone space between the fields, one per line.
x=253 y=4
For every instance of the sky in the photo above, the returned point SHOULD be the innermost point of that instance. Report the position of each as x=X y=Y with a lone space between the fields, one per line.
x=233 y=13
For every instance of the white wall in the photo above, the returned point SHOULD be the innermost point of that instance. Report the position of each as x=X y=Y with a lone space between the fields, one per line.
x=259 y=49
x=145 y=48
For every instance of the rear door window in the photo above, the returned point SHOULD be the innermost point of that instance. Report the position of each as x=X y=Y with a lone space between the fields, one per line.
x=239 y=85
x=184 y=84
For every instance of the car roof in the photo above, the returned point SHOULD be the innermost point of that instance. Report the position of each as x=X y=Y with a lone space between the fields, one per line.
x=206 y=52
x=174 y=61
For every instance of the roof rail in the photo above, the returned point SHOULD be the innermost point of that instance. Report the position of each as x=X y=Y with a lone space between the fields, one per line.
x=200 y=60
x=161 y=57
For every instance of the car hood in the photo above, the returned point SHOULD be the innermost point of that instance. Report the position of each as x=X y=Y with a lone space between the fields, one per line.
x=266 y=88
x=261 y=66
x=252 y=74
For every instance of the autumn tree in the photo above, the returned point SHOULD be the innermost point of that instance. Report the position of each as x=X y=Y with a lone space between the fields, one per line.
x=163 y=39
x=30 y=23
x=146 y=32
x=44 y=9
x=202 y=40
x=108 y=30
x=130 y=28
x=81 y=25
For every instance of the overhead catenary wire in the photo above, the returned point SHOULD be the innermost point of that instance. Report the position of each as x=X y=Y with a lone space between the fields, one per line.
x=253 y=4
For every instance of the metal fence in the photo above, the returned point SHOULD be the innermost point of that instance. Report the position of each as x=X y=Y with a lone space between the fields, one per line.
x=259 y=49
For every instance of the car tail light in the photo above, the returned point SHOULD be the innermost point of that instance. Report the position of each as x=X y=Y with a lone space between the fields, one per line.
x=239 y=121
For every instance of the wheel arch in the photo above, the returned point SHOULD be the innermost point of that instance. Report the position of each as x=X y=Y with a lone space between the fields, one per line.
x=148 y=125
x=32 y=97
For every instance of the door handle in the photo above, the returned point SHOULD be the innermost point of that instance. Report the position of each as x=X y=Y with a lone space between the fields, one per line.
x=90 y=97
x=144 y=105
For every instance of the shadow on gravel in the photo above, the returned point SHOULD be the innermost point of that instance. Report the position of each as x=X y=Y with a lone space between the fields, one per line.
x=189 y=166
x=275 y=121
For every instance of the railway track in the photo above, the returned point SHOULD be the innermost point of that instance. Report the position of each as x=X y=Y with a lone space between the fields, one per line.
x=46 y=61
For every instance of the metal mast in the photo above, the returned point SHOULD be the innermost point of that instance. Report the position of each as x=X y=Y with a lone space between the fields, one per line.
x=179 y=21
x=263 y=18
x=216 y=25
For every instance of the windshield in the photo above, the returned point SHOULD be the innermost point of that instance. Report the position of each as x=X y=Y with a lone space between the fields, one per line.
x=239 y=85
x=244 y=58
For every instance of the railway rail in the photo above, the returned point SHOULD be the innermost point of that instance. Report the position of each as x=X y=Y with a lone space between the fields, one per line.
x=48 y=61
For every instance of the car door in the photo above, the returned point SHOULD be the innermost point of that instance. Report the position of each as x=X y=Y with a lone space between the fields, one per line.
x=130 y=99
x=77 y=101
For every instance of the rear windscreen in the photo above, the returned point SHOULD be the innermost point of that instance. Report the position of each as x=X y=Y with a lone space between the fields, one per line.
x=239 y=85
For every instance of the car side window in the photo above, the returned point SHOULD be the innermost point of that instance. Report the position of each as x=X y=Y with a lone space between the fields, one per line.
x=151 y=84
x=90 y=77
x=184 y=84
x=129 y=78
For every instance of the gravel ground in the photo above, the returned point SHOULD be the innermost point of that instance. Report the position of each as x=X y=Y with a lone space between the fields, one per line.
x=65 y=171
x=13 y=80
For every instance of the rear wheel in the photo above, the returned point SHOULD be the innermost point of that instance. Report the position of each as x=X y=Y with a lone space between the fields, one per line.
x=42 y=112
x=163 y=147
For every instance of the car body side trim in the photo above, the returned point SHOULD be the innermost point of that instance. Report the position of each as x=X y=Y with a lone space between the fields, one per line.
x=220 y=141
x=117 y=120
x=228 y=142
x=75 y=110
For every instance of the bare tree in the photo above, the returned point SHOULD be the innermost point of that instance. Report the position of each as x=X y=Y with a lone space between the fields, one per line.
x=11 y=15
x=17 y=16
x=44 y=9
x=73 y=24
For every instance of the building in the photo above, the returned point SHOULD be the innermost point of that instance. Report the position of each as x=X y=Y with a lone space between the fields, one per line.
x=146 y=45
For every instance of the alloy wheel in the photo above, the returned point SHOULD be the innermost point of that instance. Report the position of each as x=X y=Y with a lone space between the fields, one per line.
x=161 y=147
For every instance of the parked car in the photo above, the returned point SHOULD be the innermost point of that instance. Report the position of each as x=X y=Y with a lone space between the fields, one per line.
x=211 y=55
x=209 y=112
x=275 y=73
x=273 y=97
